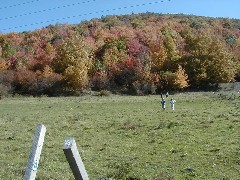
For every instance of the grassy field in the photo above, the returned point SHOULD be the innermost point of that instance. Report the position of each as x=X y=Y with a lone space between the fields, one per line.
x=125 y=137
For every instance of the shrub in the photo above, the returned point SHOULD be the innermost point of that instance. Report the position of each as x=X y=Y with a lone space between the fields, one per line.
x=104 y=93
x=100 y=81
x=37 y=83
x=7 y=79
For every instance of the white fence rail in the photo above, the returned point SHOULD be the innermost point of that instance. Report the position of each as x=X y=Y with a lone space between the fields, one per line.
x=33 y=161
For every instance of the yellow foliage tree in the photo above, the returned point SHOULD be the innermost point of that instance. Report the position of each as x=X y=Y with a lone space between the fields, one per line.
x=180 y=78
x=71 y=52
x=208 y=61
x=77 y=76
x=113 y=55
x=3 y=65
x=49 y=49
x=74 y=59
x=223 y=64
x=114 y=50
x=47 y=72
x=159 y=55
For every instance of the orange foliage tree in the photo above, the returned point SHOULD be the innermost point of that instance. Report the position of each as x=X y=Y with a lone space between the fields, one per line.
x=180 y=80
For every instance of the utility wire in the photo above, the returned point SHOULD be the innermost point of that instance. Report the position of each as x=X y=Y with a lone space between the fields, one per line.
x=45 y=10
x=80 y=15
x=19 y=4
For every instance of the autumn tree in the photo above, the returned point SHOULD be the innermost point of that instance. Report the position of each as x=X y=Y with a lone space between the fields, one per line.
x=114 y=50
x=48 y=81
x=180 y=80
x=158 y=55
x=73 y=61
x=3 y=65
x=134 y=47
x=171 y=52
x=139 y=50
x=126 y=71
x=208 y=61
x=100 y=81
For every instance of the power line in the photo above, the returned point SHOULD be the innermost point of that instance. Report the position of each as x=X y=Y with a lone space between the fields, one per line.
x=80 y=15
x=45 y=10
x=19 y=4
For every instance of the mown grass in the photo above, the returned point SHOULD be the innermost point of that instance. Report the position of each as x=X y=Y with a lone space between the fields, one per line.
x=125 y=137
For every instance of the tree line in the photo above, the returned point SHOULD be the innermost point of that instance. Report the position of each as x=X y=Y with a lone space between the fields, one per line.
x=139 y=54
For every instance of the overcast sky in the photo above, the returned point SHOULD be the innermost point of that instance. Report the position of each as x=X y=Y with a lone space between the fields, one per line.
x=25 y=15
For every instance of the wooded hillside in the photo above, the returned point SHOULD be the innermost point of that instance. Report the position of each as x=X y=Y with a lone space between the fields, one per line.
x=139 y=54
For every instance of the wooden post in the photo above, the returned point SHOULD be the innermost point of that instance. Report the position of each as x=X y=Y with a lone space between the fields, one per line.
x=74 y=159
x=33 y=161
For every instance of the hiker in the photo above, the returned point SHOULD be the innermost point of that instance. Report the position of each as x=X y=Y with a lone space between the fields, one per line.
x=163 y=102
x=172 y=102
x=167 y=94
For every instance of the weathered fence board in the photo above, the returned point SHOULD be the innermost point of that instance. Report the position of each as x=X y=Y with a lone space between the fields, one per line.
x=33 y=161
x=74 y=159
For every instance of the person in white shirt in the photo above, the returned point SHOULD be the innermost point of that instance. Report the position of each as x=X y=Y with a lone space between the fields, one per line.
x=172 y=102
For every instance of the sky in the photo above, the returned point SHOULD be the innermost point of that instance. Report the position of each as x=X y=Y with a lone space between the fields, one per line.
x=29 y=15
